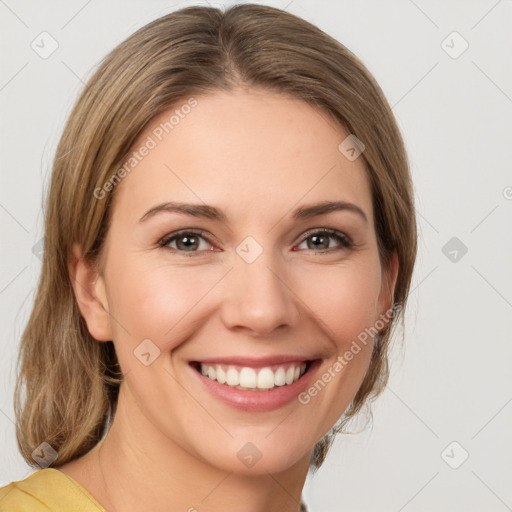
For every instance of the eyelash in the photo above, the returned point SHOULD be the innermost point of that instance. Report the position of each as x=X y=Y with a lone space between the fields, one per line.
x=343 y=240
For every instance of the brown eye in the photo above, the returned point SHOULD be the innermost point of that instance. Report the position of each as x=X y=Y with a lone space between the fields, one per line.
x=319 y=240
x=186 y=241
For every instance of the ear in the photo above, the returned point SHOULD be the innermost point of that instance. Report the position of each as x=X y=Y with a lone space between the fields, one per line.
x=387 y=291
x=89 y=288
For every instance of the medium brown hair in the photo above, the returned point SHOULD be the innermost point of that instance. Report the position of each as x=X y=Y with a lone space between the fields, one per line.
x=71 y=381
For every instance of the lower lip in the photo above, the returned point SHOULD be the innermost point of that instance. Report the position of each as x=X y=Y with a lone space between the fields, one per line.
x=257 y=401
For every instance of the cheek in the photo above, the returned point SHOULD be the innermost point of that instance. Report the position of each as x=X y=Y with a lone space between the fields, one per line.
x=343 y=299
x=156 y=301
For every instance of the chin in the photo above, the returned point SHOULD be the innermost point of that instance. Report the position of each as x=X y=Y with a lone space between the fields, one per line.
x=253 y=454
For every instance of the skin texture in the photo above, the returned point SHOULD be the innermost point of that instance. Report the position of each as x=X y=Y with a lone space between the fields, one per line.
x=257 y=156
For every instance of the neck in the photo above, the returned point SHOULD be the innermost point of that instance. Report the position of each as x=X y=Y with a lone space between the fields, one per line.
x=140 y=467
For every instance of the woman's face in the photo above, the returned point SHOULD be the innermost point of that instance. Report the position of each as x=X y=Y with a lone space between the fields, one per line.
x=252 y=283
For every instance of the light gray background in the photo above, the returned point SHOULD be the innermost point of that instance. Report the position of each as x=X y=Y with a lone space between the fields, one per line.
x=452 y=380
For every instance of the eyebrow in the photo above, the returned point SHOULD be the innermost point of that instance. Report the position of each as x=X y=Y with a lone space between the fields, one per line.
x=213 y=213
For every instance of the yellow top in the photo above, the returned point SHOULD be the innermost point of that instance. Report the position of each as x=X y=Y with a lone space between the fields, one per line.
x=51 y=490
x=47 y=490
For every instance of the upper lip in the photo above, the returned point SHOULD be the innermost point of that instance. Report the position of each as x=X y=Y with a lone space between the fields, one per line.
x=253 y=361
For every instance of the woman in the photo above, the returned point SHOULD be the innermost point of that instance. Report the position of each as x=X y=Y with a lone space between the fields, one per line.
x=230 y=239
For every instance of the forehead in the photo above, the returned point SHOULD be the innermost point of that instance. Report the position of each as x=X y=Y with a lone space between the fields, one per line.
x=243 y=150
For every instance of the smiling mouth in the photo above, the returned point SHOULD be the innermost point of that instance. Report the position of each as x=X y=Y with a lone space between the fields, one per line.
x=247 y=378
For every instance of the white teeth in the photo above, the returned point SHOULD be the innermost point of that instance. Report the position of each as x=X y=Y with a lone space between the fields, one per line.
x=265 y=379
x=232 y=377
x=290 y=374
x=249 y=378
x=280 y=377
x=221 y=375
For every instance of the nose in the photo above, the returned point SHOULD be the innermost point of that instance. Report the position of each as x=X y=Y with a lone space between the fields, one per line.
x=258 y=297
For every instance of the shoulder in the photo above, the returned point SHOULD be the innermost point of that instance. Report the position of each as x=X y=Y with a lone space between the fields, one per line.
x=47 y=490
